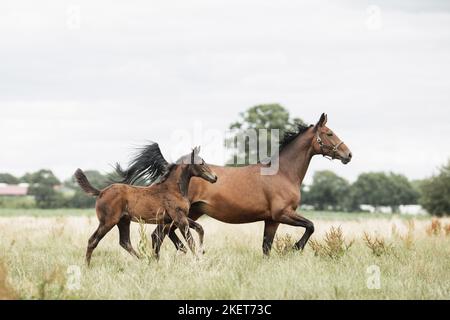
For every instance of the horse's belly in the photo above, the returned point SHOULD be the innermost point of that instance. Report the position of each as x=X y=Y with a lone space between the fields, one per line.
x=235 y=208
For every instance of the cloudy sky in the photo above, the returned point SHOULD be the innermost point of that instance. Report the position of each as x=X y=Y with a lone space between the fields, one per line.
x=83 y=82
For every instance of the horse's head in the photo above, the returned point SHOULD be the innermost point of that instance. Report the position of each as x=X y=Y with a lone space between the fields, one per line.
x=197 y=166
x=328 y=144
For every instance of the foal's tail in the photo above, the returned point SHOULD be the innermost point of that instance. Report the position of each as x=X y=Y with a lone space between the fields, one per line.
x=85 y=184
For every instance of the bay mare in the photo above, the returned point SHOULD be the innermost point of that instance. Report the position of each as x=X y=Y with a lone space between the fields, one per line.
x=164 y=203
x=243 y=195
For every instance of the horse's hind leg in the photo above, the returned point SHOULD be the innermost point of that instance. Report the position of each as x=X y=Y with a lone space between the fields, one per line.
x=291 y=217
x=98 y=235
x=124 y=231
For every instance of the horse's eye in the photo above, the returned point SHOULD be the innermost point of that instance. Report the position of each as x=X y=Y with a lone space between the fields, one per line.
x=330 y=134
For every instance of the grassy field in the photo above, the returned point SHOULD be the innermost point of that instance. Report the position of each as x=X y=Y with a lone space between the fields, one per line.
x=42 y=252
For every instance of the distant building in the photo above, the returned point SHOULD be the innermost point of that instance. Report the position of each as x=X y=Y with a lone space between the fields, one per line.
x=10 y=190
x=413 y=210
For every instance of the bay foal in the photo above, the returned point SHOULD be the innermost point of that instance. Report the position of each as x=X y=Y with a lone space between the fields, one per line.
x=164 y=203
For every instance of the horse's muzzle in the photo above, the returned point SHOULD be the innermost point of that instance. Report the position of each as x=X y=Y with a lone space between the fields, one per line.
x=347 y=159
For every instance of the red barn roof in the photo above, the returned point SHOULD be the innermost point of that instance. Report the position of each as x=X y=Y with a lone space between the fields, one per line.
x=13 y=190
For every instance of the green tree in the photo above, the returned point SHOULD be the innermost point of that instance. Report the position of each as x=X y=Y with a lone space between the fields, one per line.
x=381 y=189
x=42 y=187
x=8 y=179
x=435 y=192
x=402 y=192
x=264 y=116
x=44 y=176
x=371 y=188
x=46 y=197
x=80 y=199
x=328 y=190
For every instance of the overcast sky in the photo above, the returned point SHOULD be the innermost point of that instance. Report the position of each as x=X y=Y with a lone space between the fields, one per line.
x=83 y=82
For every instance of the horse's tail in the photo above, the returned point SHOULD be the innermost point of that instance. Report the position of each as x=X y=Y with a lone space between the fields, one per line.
x=84 y=183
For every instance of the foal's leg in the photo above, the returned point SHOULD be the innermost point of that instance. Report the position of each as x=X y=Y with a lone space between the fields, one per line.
x=291 y=218
x=98 y=235
x=176 y=241
x=184 y=228
x=270 y=228
x=201 y=233
x=124 y=231
x=158 y=235
x=161 y=232
x=194 y=213
x=182 y=222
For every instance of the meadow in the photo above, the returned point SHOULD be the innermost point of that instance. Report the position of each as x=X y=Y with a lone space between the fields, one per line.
x=352 y=256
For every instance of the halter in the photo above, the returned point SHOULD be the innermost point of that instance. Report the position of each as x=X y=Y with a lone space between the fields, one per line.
x=333 y=148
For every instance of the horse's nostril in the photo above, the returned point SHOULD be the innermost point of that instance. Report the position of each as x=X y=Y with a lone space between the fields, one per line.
x=350 y=155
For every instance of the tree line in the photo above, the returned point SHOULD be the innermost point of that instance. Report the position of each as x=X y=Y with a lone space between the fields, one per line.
x=328 y=191
x=48 y=192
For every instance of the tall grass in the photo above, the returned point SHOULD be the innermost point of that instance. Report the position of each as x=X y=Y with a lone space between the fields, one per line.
x=37 y=253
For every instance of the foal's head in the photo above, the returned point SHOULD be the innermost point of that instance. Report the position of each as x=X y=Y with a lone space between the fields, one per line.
x=197 y=167
x=327 y=143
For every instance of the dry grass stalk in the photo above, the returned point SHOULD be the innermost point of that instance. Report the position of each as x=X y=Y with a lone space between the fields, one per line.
x=334 y=245
x=55 y=280
x=435 y=228
x=447 y=229
x=144 y=247
x=408 y=239
x=378 y=245
x=6 y=292
x=284 y=244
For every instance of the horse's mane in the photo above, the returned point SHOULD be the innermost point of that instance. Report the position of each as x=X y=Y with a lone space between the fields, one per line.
x=291 y=135
x=147 y=166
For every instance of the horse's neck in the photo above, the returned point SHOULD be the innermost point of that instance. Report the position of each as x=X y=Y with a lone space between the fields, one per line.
x=184 y=177
x=178 y=180
x=296 y=157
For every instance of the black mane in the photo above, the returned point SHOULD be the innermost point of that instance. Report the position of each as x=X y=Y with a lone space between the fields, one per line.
x=147 y=166
x=290 y=136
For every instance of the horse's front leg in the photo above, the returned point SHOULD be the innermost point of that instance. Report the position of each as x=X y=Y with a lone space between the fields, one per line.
x=291 y=217
x=201 y=233
x=158 y=235
x=194 y=214
x=270 y=228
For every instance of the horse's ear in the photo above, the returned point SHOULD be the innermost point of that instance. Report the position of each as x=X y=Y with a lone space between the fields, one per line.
x=193 y=156
x=197 y=150
x=322 y=121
